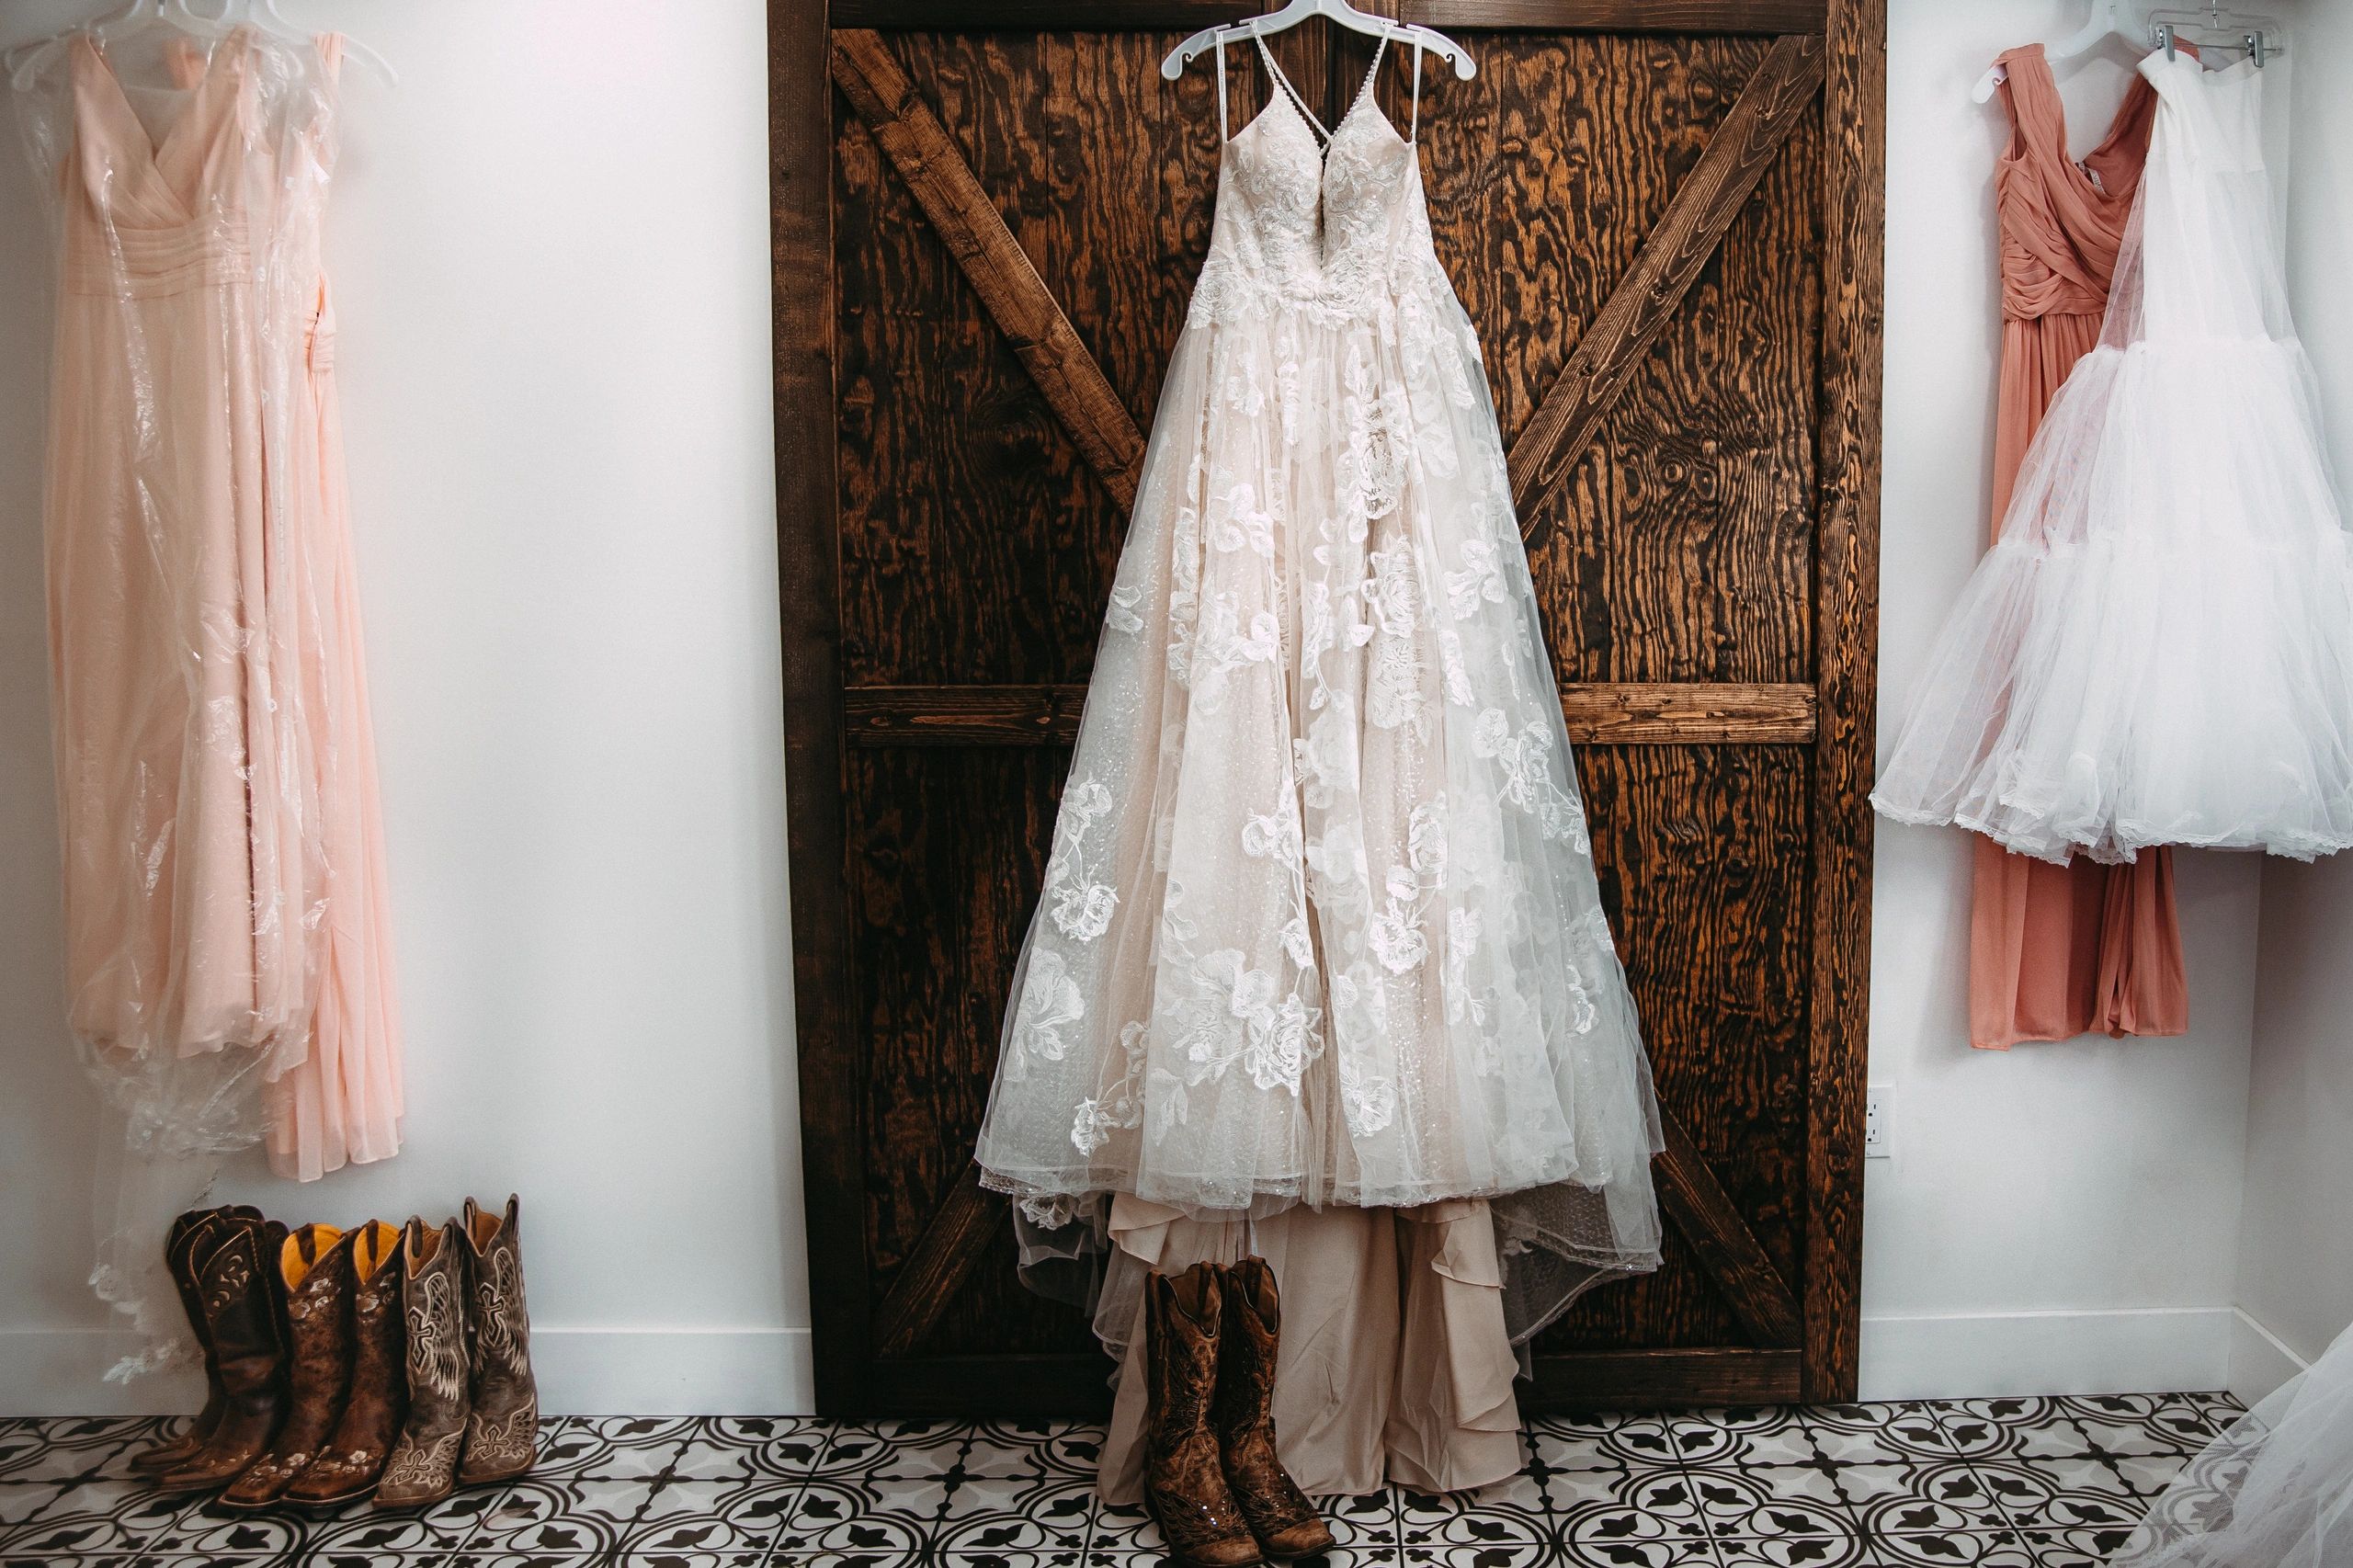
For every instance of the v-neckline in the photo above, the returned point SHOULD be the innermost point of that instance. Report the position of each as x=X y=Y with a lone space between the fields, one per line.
x=1288 y=95
x=2079 y=170
x=159 y=148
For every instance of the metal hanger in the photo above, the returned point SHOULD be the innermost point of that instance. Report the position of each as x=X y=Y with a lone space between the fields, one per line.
x=2108 y=18
x=2258 y=37
x=1339 y=13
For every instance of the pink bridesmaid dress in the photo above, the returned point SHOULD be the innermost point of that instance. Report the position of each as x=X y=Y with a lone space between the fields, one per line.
x=187 y=962
x=228 y=940
x=2057 y=951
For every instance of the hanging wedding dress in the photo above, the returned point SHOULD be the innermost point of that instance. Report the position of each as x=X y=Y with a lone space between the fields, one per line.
x=1320 y=931
x=2160 y=648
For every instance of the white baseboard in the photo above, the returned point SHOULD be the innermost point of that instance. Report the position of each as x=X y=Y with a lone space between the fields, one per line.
x=2260 y=1362
x=582 y=1372
x=1966 y=1354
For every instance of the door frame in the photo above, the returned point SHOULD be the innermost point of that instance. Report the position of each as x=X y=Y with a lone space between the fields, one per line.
x=1841 y=44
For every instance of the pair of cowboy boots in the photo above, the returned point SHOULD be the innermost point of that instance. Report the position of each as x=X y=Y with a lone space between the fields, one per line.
x=299 y=1332
x=1210 y=1475
x=473 y=1405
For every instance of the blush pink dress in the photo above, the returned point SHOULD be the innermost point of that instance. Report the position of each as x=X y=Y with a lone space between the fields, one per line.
x=227 y=938
x=2057 y=951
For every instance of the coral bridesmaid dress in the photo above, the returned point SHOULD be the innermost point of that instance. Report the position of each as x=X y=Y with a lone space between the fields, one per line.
x=2057 y=951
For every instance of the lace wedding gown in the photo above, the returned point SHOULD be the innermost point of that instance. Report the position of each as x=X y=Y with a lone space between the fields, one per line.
x=2159 y=650
x=1320 y=925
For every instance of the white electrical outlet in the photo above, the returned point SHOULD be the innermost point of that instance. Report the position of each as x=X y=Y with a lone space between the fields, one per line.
x=1879 y=1113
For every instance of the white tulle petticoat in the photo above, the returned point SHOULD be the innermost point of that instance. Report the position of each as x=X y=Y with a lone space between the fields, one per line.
x=2159 y=649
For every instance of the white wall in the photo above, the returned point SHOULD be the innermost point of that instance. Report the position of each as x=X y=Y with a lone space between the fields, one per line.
x=2061 y=1216
x=2295 y=1278
x=551 y=255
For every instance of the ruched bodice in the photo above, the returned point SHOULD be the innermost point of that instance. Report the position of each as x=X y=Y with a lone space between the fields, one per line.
x=2061 y=222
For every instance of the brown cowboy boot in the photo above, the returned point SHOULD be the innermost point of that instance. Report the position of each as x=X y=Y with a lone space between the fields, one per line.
x=503 y=1429
x=354 y=1456
x=241 y=1313
x=1183 y=1485
x=315 y=1268
x=186 y=1246
x=1278 y=1512
x=423 y=1466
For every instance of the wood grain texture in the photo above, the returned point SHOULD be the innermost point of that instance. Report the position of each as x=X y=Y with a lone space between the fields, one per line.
x=1626 y=714
x=1703 y=208
x=833 y=1168
x=976 y=235
x=1846 y=610
x=1680 y=549
x=964 y=1224
x=1700 y=856
x=970 y=545
x=944 y=851
x=1662 y=1379
x=1754 y=1289
x=1543 y=16
x=1621 y=15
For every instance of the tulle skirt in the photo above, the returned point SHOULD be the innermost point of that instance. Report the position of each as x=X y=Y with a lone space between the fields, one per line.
x=1321 y=923
x=2159 y=649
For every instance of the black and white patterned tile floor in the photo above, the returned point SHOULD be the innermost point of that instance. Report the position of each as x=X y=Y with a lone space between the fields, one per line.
x=1966 y=1483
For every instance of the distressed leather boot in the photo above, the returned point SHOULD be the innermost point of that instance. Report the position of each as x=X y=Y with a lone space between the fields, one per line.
x=503 y=1429
x=423 y=1466
x=355 y=1455
x=314 y=1268
x=1277 y=1512
x=239 y=1283
x=191 y=1242
x=1184 y=1483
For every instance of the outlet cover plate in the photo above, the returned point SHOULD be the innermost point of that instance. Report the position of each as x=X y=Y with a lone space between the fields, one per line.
x=1878 y=1111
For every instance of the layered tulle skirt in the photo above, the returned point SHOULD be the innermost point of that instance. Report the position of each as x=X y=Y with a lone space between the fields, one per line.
x=2159 y=649
x=1320 y=924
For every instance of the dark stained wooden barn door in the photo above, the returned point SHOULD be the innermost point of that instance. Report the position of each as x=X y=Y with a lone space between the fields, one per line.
x=1663 y=217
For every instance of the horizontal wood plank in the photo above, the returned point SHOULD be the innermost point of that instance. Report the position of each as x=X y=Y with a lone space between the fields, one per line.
x=1621 y=15
x=1627 y=713
x=1180 y=16
x=1662 y=1379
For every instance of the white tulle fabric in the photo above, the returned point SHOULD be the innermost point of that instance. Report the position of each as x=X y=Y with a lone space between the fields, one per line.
x=2275 y=1490
x=2159 y=650
x=1320 y=922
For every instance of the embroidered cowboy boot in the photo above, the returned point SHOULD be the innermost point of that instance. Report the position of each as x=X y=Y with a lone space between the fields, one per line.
x=314 y=1269
x=1184 y=1484
x=242 y=1314
x=191 y=1242
x=354 y=1456
x=1277 y=1512
x=503 y=1430
x=423 y=1466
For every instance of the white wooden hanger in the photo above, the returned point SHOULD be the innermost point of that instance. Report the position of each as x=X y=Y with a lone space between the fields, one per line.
x=1338 y=12
x=2109 y=18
